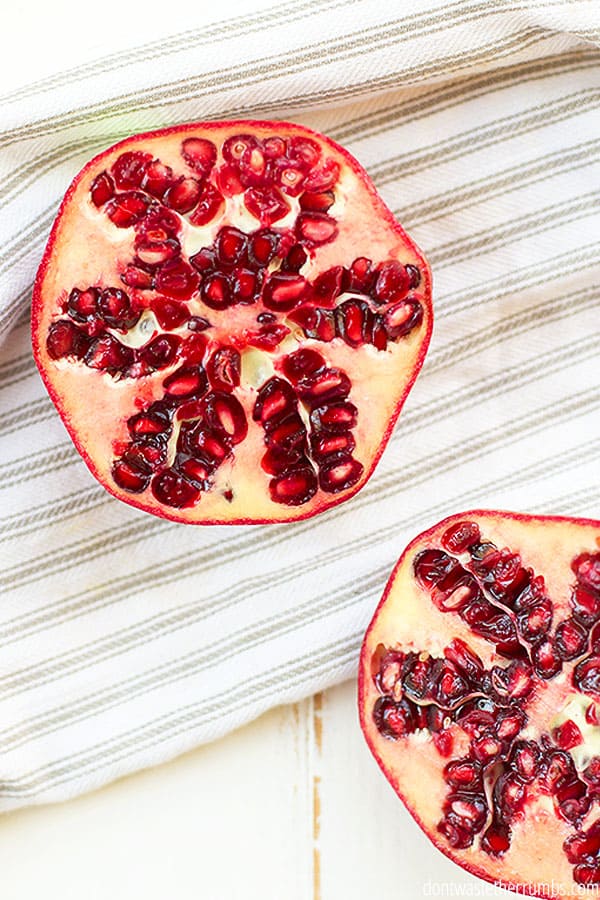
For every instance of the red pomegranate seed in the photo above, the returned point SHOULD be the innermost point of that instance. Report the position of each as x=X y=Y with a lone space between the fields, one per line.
x=316 y=229
x=236 y=145
x=200 y=154
x=324 y=386
x=129 y=477
x=301 y=364
x=228 y=181
x=465 y=774
x=156 y=253
x=108 y=354
x=216 y=291
x=431 y=565
x=230 y=246
x=571 y=639
x=486 y=748
x=171 y=488
x=334 y=417
x=161 y=351
x=586 y=605
x=328 y=285
x=459 y=537
x=193 y=349
x=159 y=224
x=66 y=339
x=578 y=847
x=359 y=277
x=102 y=189
x=176 y=279
x=282 y=291
x=83 y=305
x=266 y=204
x=169 y=313
x=402 y=318
x=224 y=369
x=185 y=382
x=323 y=177
x=465 y=659
x=339 y=474
x=268 y=337
x=274 y=147
x=262 y=247
x=295 y=259
x=294 y=487
x=317 y=202
x=128 y=169
x=184 y=195
x=392 y=283
x=253 y=167
x=275 y=400
x=114 y=306
x=353 y=320
x=226 y=417
x=587 y=570
x=496 y=839
x=211 y=203
x=567 y=735
x=586 y=676
x=289 y=177
x=157 y=179
x=127 y=209
x=592 y=714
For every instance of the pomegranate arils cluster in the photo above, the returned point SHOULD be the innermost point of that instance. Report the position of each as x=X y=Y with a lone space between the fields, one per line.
x=219 y=255
x=460 y=702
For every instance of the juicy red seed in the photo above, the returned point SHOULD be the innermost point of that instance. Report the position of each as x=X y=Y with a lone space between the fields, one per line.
x=267 y=337
x=246 y=286
x=225 y=415
x=82 y=305
x=352 y=322
x=224 y=369
x=323 y=387
x=525 y=758
x=301 y=364
x=253 y=168
x=211 y=204
x=198 y=471
x=159 y=224
x=455 y=591
x=169 y=313
x=392 y=282
x=230 y=245
x=402 y=318
x=274 y=147
x=359 y=277
x=323 y=177
x=205 y=260
x=584 y=844
x=216 y=291
x=305 y=151
x=486 y=747
x=176 y=279
x=149 y=424
x=200 y=154
x=464 y=773
x=127 y=476
x=431 y=565
x=108 y=354
x=262 y=247
x=127 y=209
x=236 y=145
x=545 y=658
x=184 y=195
x=153 y=254
x=567 y=735
x=393 y=719
x=146 y=455
x=198 y=440
x=465 y=659
x=460 y=536
x=316 y=228
x=128 y=169
x=294 y=487
x=471 y=808
x=276 y=460
x=114 y=306
x=535 y=621
x=500 y=630
x=586 y=605
x=228 y=180
x=266 y=204
x=157 y=178
x=592 y=714
x=514 y=681
x=496 y=839
x=558 y=770
x=510 y=724
x=295 y=259
x=172 y=489
x=283 y=291
x=102 y=189
x=317 y=202
x=587 y=874
x=193 y=349
x=340 y=473
x=186 y=382
x=571 y=639
x=456 y=833
x=66 y=339
x=328 y=285
x=587 y=570
x=586 y=676
x=275 y=401
x=161 y=351
x=334 y=417
x=138 y=278
x=289 y=177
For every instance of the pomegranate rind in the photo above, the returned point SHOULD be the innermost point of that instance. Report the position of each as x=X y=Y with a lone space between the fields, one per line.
x=406 y=617
x=90 y=415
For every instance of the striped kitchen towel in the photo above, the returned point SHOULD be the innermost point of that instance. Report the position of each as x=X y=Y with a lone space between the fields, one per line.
x=125 y=639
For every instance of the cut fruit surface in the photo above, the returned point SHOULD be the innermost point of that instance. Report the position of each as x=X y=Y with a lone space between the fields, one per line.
x=228 y=319
x=479 y=687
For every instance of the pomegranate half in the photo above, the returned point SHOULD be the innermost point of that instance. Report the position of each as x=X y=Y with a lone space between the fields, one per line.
x=228 y=319
x=479 y=694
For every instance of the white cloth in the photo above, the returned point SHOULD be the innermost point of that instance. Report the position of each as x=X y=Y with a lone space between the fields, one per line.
x=124 y=639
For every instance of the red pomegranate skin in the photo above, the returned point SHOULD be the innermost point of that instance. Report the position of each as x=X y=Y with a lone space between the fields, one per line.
x=480 y=708
x=187 y=257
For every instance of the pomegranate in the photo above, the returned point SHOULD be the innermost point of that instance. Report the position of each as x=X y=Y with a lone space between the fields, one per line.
x=479 y=687
x=228 y=319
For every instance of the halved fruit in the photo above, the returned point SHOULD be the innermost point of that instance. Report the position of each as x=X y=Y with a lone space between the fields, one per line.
x=479 y=694
x=228 y=319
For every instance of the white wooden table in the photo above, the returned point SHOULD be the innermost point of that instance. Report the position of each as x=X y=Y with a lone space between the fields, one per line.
x=291 y=807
